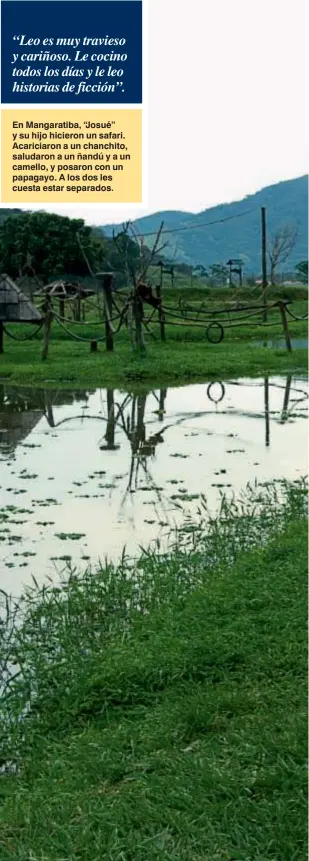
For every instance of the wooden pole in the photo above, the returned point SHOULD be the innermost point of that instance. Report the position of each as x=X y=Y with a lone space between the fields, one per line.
x=266 y=405
x=285 y=326
x=47 y=328
x=1 y=338
x=160 y=310
x=107 y=289
x=137 y=307
x=264 y=262
x=78 y=306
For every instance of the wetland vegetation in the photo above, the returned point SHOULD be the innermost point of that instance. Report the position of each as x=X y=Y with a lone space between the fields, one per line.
x=153 y=705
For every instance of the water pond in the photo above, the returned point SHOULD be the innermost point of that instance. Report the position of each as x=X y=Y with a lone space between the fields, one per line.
x=84 y=473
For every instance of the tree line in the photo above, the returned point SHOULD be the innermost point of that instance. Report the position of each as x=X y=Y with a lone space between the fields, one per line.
x=51 y=246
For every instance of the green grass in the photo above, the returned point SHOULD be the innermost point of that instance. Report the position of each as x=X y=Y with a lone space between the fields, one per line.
x=169 y=701
x=186 y=355
x=71 y=364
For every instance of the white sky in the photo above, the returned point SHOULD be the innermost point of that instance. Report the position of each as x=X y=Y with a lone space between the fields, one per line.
x=227 y=90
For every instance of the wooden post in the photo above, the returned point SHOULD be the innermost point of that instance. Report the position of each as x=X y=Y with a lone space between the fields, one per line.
x=160 y=310
x=285 y=326
x=266 y=405
x=264 y=262
x=137 y=307
x=1 y=338
x=77 y=307
x=107 y=289
x=47 y=328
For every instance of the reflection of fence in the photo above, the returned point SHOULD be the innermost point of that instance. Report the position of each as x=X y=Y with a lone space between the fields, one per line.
x=21 y=410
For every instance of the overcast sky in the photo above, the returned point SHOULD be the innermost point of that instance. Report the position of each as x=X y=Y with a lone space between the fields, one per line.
x=226 y=103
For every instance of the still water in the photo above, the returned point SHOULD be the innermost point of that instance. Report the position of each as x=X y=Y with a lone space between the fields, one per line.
x=83 y=474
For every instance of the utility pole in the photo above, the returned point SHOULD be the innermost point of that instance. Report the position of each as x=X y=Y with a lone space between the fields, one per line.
x=264 y=263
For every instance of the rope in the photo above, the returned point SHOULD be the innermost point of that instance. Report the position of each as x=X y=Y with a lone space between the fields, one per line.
x=26 y=338
x=305 y=317
x=255 y=310
x=83 y=322
x=212 y=319
x=87 y=340
x=77 y=337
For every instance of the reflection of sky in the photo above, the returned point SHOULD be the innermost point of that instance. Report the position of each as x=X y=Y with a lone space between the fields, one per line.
x=228 y=437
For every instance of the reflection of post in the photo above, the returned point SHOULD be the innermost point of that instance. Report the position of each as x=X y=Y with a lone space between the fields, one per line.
x=110 y=426
x=140 y=433
x=284 y=413
x=266 y=405
x=162 y=403
x=49 y=409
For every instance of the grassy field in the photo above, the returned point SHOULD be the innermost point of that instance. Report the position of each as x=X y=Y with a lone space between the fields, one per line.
x=186 y=355
x=169 y=703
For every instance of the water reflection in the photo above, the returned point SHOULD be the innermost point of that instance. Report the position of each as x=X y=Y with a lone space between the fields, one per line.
x=22 y=409
x=83 y=473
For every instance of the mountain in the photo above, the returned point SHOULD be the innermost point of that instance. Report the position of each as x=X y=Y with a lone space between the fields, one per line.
x=198 y=242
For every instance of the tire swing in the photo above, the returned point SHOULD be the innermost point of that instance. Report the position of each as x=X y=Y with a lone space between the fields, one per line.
x=215 y=333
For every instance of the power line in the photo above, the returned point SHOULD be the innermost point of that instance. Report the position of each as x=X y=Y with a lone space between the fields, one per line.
x=202 y=224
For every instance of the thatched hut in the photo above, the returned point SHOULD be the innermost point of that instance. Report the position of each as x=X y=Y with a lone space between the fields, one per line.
x=15 y=306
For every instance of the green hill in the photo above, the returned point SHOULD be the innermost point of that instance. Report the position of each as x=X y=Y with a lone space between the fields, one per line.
x=198 y=241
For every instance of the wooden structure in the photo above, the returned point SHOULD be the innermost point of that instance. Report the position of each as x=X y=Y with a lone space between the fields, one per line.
x=67 y=290
x=15 y=306
x=235 y=267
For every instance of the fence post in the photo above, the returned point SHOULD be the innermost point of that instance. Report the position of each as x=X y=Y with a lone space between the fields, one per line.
x=107 y=289
x=47 y=328
x=137 y=308
x=264 y=262
x=1 y=337
x=160 y=310
x=285 y=326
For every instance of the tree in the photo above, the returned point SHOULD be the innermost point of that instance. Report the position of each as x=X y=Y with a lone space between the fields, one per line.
x=280 y=248
x=302 y=271
x=50 y=242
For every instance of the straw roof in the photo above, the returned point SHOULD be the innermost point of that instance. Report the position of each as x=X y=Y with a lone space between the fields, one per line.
x=15 y=307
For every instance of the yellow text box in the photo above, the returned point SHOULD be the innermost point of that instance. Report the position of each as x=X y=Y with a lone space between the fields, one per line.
x=73 y=156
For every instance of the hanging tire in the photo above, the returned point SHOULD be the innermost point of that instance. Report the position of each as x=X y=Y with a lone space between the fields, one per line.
x=211 y=397
x=215 y=333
